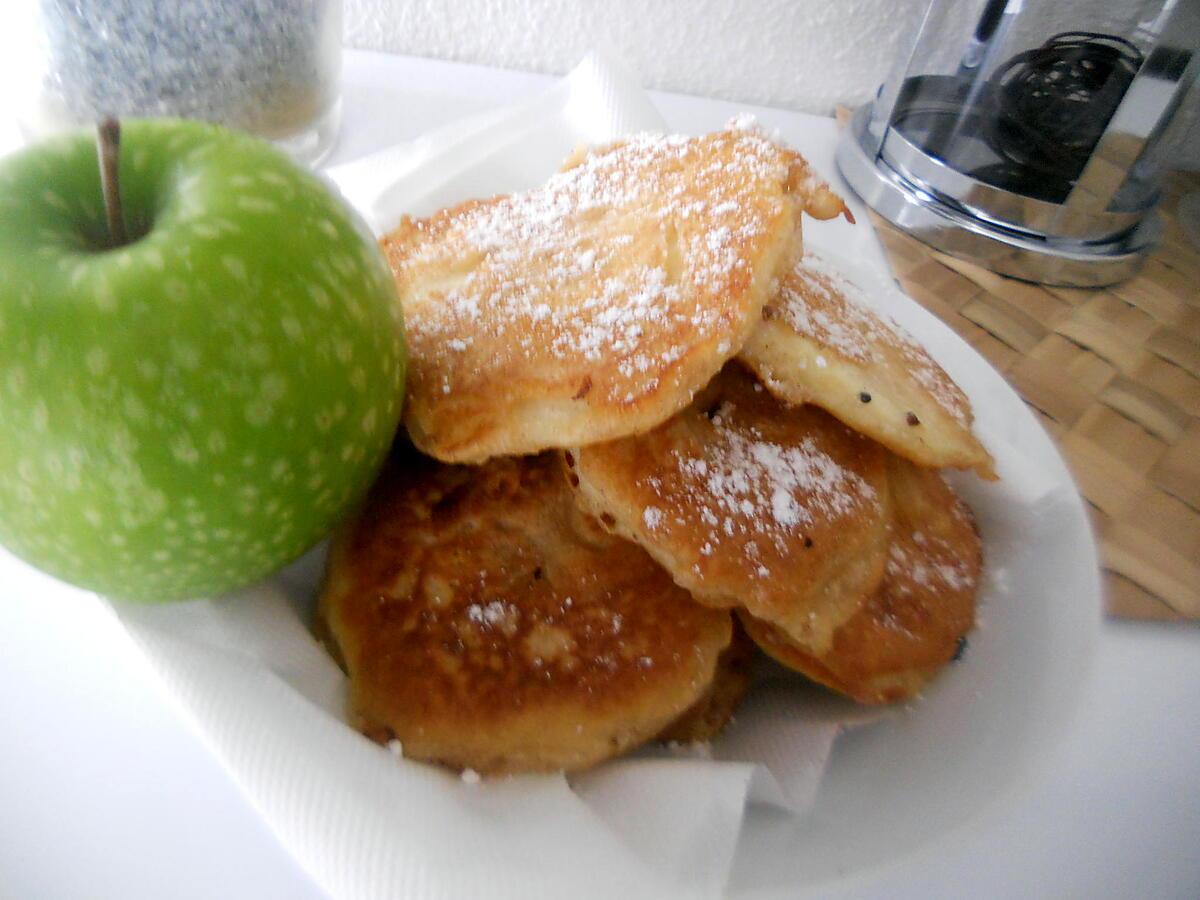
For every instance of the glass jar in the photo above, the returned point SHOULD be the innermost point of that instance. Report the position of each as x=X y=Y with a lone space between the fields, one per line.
x=270 y=67
x=1028 y=135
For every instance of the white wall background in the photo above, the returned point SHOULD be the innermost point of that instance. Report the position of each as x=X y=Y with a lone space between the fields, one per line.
x=802 y=54
x=807 y=55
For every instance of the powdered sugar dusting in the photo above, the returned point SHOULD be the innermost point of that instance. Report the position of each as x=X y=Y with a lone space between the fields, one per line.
x=744 y=485
x=924 y=560
x=495 y=614
x=923 y=569
x=845 y=334
x=844 y=321
x=627 y=257
x=744 y=121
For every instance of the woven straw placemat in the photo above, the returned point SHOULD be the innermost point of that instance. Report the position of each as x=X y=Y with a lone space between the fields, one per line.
x=1114 y=375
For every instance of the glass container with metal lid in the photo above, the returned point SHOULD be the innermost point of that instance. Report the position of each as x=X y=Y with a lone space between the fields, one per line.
x=1027 y=135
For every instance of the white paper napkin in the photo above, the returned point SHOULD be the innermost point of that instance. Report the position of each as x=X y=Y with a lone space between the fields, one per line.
x=269 y=702
x=505 y=150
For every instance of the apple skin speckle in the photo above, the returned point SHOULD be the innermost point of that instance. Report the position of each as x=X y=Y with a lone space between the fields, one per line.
x=184 y=415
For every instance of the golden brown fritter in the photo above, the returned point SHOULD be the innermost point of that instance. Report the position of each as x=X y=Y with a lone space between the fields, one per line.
x=820 y=342
x=486 y=622
x=748 y=502
x=595 y=306
x=709 y=716
x=912 y=626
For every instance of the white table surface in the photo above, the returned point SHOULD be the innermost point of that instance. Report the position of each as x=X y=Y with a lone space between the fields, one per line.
x=105 y=791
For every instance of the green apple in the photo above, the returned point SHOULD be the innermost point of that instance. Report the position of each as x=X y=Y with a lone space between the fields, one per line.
x=185 y=413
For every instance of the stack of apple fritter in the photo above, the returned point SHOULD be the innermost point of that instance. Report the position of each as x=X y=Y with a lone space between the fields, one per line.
x=647 y=433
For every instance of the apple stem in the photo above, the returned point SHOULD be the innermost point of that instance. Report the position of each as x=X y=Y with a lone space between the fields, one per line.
x=108 y=150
